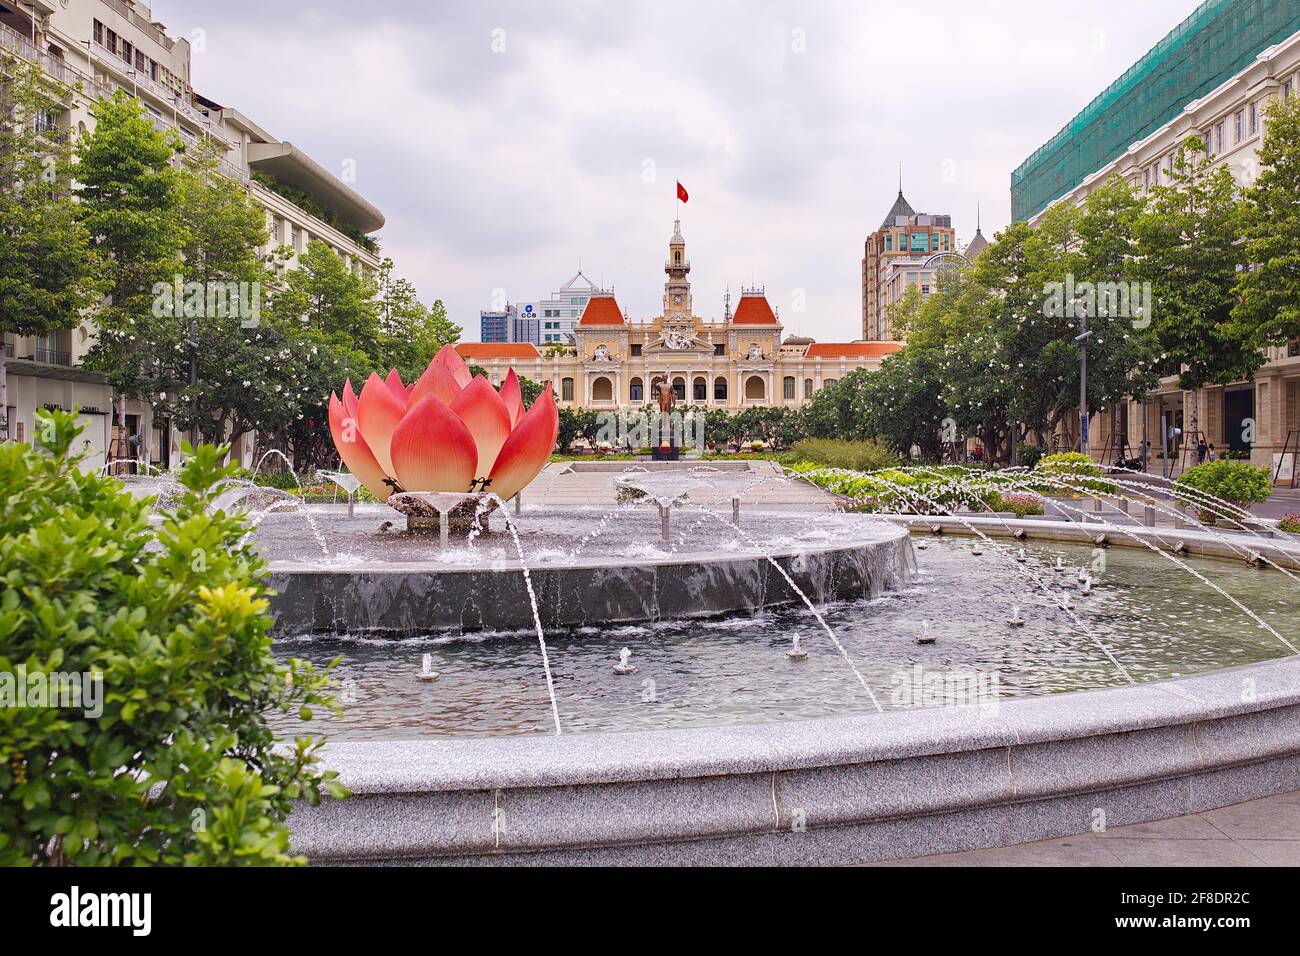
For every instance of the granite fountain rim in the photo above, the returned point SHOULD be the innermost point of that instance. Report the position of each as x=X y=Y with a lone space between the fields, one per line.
x=545 y=760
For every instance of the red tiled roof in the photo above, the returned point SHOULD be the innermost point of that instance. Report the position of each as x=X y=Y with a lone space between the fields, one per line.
x=601 y=310
x=852 y=349
x=753 y=310
x=498 y=350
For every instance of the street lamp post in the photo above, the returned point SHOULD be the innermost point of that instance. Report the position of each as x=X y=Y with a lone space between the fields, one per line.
x=1082 y=339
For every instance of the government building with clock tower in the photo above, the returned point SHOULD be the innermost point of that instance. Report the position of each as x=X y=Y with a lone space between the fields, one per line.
x=738 y=362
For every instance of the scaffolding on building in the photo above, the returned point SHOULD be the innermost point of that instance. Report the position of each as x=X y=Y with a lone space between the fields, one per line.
x=1218 y=40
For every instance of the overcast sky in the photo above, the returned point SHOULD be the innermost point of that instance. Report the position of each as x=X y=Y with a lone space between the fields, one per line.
x=506 y=141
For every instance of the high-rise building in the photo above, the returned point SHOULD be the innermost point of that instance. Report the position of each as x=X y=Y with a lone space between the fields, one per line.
x=899 y=255
x=97 y=47
x=558 y=315
x=512 y=324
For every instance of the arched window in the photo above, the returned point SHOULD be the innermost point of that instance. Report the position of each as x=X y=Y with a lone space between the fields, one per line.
x=719 y=389
x=636 y=391
x=602 y=390
x=566 y=389
x=679 y=388
x=755 y=388
x=807 y=388
x=787 y=388
x=700 y=390
x=827 y=382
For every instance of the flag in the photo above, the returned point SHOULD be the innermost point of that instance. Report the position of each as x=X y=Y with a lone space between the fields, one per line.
x=682 y=195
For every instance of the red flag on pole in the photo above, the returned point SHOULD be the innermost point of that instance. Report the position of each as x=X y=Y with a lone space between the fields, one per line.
x=682 y=195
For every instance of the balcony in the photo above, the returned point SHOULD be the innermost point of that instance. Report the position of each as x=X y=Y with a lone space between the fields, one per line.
x=139 y=82
x=148 y=29
x=51 y=357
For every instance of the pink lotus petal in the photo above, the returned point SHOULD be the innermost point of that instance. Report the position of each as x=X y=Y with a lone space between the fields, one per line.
x=513 y=396
x=528 y=448
x=433 y=450
x=436 y=381
x=378 y=413
x=450 y=359
x=394 y=381
x=349 y=398
x=354 y=451
x=485 y=414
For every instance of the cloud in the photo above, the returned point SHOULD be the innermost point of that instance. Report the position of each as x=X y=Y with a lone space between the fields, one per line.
x=504 y=141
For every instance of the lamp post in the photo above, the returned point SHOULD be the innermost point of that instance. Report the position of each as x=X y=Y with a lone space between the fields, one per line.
x=1082 y=338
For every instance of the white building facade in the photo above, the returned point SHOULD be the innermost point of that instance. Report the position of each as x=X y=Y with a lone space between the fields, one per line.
x=107 y=45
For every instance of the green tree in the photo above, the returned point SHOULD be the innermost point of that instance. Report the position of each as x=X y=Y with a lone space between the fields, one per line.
x=218 y=306
x=1187 y=243
x=411 y=335
x=1268 y=307
x=47 y=269
x=172 y=761
x=130 y=195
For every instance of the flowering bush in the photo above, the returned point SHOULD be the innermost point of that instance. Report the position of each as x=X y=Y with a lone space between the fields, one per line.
x=1020 y=503
x=935 y=491
x=1289 y=523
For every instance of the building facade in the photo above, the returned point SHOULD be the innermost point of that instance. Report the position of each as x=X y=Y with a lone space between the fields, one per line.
x=738 y=362
x=1245 y=53
x=107 y=45
x=557 y=316
x=897 y=256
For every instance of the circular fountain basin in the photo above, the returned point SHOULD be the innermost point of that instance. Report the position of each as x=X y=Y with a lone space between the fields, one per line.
x=584 y=567
x=736 y=763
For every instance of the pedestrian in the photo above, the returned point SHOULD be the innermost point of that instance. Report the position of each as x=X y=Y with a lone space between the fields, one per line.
x=1201 y=451
x=1211 y=455
x=1144 y=453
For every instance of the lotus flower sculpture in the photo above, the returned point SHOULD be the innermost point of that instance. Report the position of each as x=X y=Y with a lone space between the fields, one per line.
x=449 y=431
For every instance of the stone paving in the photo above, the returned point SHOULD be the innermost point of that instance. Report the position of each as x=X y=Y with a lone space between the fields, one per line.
x=562 y=484
x=1262 y=832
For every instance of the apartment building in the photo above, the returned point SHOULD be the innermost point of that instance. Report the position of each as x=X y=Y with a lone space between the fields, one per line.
x=906 y=251
x=1211 y=77
x=106 y=45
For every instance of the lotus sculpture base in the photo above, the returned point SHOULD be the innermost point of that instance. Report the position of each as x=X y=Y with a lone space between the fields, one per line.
x=425 y=513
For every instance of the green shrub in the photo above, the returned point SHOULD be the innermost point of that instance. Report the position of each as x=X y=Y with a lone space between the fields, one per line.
x=1030 y=455
x=1289 y=524
x=835 y=453
x=1074 y=469
x=1236 y=482
x=175 y=762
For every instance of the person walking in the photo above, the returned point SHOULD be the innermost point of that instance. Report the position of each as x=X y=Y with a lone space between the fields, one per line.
x=1144 y=454
x=1201 y=451
x=1210 y=455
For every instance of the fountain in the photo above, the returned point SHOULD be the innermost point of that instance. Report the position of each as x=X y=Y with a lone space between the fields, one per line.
x=711 y=750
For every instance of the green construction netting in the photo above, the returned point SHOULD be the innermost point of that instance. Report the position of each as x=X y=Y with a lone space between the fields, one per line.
x=1218 y=40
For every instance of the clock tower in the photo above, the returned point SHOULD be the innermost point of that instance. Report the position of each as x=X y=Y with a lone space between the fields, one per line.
x=677 y=290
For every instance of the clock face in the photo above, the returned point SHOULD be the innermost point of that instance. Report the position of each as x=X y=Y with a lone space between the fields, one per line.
x=677 y=300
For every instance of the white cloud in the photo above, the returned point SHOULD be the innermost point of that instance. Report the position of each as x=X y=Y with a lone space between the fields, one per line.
x=502 y=169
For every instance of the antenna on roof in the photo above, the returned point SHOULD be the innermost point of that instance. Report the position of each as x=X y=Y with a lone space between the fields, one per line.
x=900 y=177
x=726 y=304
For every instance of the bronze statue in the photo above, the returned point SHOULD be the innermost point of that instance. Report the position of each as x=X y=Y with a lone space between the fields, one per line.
x=664 y=393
